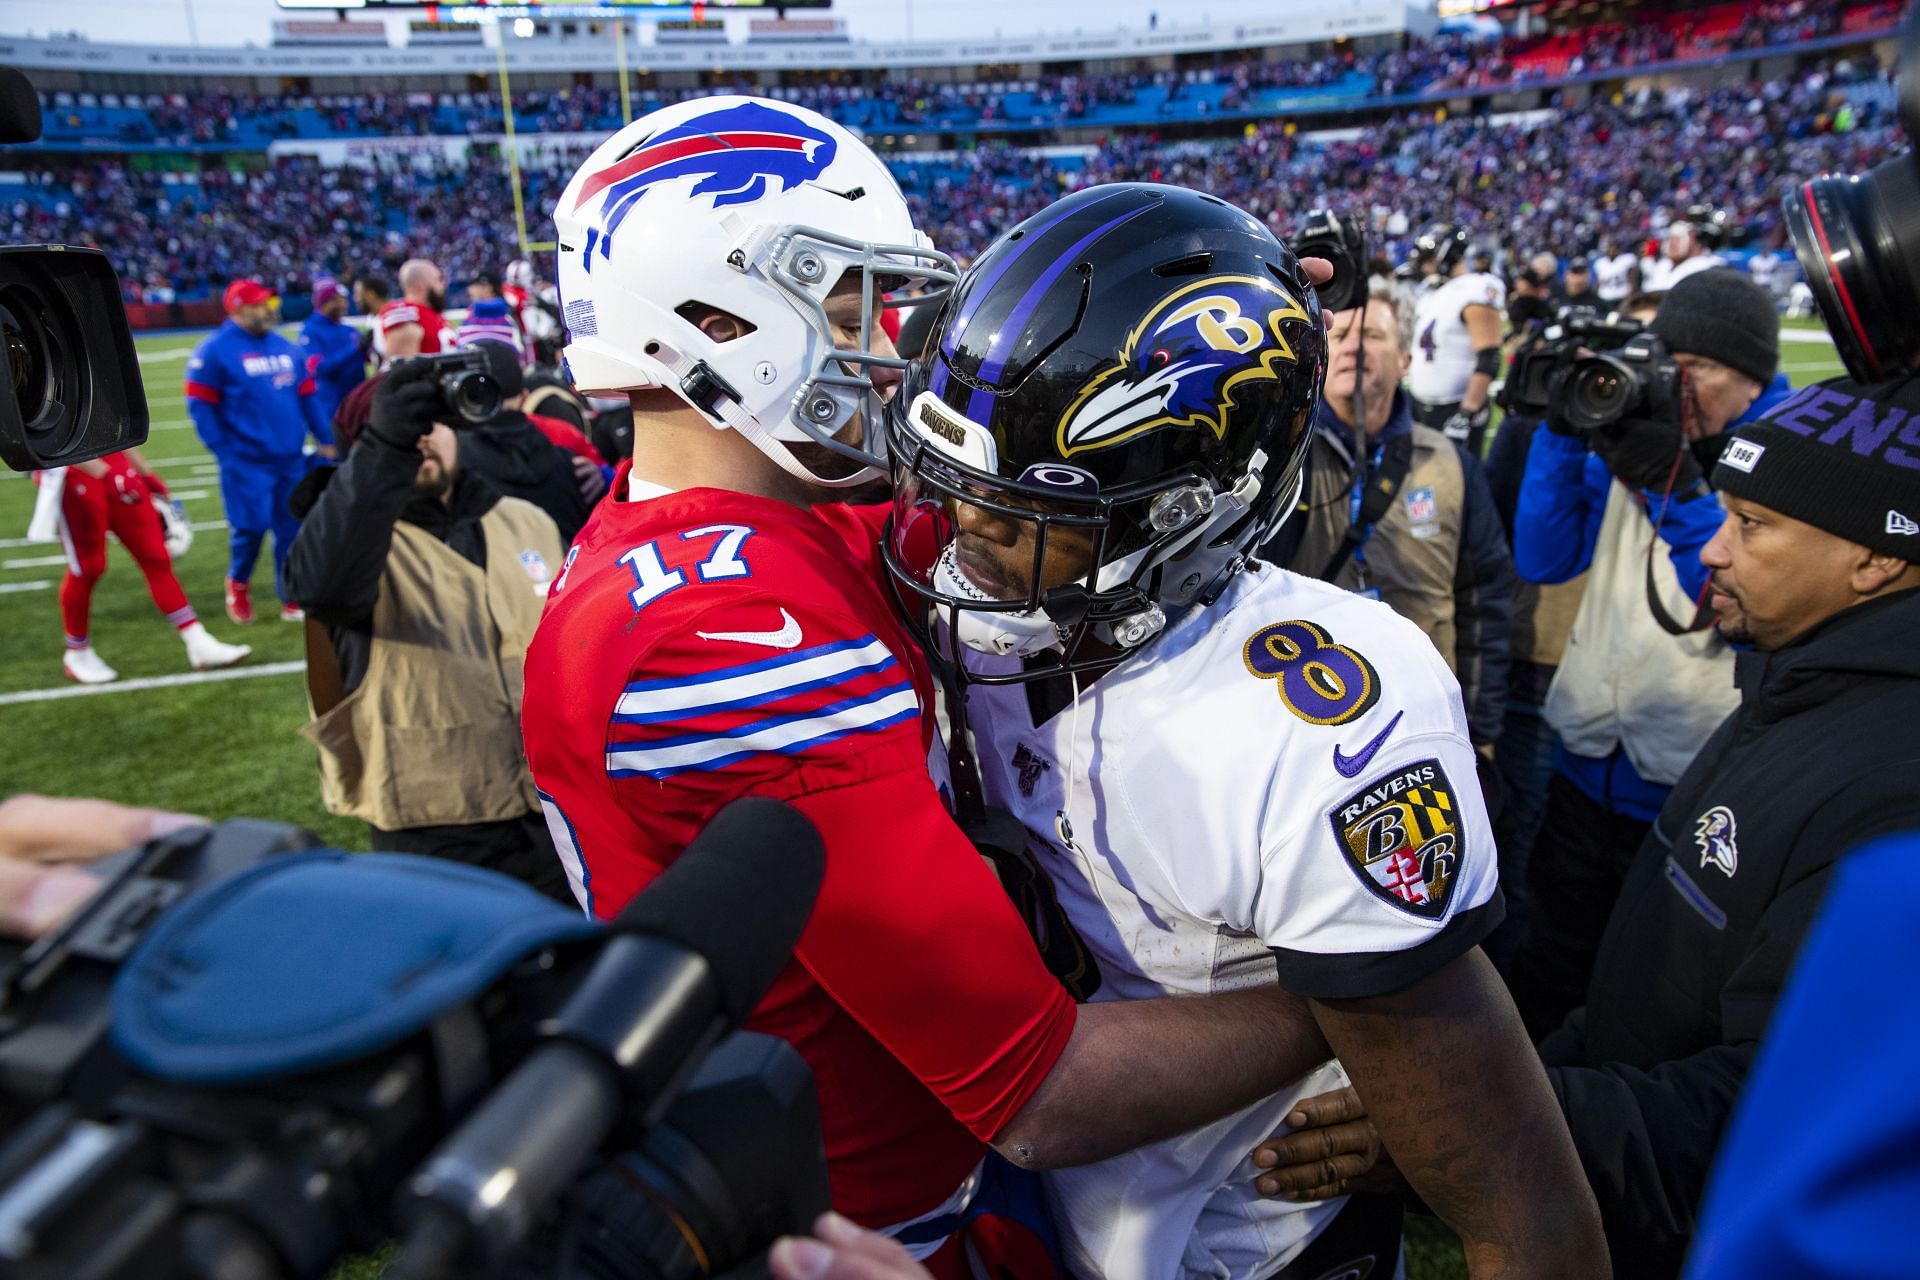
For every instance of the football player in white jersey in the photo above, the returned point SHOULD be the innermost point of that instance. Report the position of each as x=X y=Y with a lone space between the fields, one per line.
x=1683 y=252
x=1456 y=341
x=1613 y=272
x=1224 y=774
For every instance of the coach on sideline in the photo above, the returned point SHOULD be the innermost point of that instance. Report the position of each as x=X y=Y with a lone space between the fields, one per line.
x=1815 y=567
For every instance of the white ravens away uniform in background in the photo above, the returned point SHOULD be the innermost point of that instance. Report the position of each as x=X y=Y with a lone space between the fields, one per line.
x=1279 y=788
x=1442 y=349
x=1667 y=273
x=1613 y=277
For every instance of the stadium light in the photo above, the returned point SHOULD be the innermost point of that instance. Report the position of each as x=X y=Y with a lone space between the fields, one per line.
x=523 y=27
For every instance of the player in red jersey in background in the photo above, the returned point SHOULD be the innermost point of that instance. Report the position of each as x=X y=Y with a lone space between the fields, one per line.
x=722 y=627
x=411 y=325
x=119 y=494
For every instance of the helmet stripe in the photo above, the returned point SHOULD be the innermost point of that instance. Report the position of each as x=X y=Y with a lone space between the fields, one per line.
x=680 y=148
x=981 y=288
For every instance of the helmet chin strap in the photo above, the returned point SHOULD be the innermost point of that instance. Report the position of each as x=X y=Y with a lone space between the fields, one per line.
x=731 y=414
x=1006 y=635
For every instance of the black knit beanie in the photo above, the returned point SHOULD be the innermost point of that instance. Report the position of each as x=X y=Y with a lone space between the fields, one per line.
x=1837 y=461
x=1724 y=316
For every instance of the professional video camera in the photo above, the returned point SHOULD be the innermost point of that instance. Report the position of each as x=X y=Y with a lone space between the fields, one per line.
x=72 y=390
x=1638 y=379
x=1539 y=368
x=467 y=386
x=1341 y=240
x=217 y=1070
x=1858 y=238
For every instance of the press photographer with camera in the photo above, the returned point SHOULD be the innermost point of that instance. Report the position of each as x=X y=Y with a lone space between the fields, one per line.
x=1614 y=487
x=428 y=583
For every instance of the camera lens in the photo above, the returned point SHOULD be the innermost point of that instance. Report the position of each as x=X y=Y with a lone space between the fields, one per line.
x=1600 y=391
x=1858 y=237
x=34 y=360
x=475 y=397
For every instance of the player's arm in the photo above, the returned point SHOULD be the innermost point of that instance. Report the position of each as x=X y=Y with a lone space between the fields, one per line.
x=1460 y=1100
x=1483 y=331
x=317 y=425
x=404 y=339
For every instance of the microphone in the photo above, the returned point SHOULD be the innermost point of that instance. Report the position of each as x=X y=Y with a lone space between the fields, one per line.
x=689 y=959
x=19 y=108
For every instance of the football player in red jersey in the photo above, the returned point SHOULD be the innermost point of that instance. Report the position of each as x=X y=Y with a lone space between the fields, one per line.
x=723 y=627
x=411 y=325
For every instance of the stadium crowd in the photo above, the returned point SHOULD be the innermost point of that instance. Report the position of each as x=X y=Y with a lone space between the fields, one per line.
x=1436 y=67
x=1556 y=183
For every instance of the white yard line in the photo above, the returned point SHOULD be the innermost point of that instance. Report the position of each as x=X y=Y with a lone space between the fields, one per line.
x=164 y=354
x=191 y=495
x=150 y=682
x=14 y=544
x=8 y=588
x=34 y=562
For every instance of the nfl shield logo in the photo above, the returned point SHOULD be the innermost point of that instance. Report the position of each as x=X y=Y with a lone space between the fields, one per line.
x=1402 y=836
x=1420 y=505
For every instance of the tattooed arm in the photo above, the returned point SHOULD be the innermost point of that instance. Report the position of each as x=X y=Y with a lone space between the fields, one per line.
x=1462 y=1103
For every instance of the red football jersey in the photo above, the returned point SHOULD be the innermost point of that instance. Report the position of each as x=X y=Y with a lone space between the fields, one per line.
x=400 y=311
x=707 y=645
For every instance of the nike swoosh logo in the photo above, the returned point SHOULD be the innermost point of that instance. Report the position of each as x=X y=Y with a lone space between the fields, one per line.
x=787 y=637
x=1350 y=765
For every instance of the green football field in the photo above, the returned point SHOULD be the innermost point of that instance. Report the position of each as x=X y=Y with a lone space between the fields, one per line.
x=227 y=744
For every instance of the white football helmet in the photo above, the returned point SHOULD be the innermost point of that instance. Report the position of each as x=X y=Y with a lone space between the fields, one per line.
x=519 y=274
x=755 y=208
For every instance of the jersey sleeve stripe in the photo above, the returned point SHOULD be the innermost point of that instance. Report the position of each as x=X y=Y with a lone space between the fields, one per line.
x=780 y=735
x=201 y=391
x=398 y=316
x=749 y=684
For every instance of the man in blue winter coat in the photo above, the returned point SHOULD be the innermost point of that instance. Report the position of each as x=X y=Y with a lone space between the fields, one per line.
x=332 y=348
x=254 y=404
x=1632 y=701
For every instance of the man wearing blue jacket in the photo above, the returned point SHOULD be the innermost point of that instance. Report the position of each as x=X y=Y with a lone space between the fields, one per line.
x=332 y=348
x=254 y=405
x=1632 y=701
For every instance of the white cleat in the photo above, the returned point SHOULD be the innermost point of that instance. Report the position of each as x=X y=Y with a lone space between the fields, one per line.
x=206 y=653
x=86 y=666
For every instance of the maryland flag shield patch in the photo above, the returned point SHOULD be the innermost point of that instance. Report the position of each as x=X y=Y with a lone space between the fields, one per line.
x=1402 y=837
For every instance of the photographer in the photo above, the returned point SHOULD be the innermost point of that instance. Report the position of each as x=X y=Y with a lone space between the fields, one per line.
x=518 y=455
x=429 y=584
x=1429 y=545
x=1630 y=702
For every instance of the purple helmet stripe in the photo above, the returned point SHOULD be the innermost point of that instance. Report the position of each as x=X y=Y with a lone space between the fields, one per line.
x=984 y=286
x=1015 y=324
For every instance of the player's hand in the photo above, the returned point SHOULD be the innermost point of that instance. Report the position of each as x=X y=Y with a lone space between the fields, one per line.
x=1332 y=1150
x=1462 y=423
x=1647 y=453
x=43 y=838
x=405 y=405
x=586 y=474
x=843 y=1252
x=1318 y=270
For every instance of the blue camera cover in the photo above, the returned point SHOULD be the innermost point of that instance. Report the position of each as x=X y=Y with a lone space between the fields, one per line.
x=318 y=958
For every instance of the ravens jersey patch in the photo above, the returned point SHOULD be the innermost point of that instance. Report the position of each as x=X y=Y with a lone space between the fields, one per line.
x=1402 y=836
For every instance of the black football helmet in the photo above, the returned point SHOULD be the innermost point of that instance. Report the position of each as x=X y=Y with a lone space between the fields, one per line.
x=1444 y=244
x=1129 y=376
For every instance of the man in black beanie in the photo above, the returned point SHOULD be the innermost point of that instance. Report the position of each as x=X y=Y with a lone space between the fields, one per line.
x=1813 y=566
x=1631 y=702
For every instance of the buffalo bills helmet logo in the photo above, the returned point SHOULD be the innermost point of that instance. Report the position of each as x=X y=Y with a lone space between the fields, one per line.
x=737 y=153
x=1180 y=366
x=1714 y=835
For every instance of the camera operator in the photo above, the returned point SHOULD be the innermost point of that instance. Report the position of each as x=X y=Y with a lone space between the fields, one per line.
x=1630 y=702
x=429 y=584
x=1412 y=522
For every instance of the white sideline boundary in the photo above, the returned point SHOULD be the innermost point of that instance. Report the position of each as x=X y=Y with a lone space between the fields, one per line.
x=151 y=682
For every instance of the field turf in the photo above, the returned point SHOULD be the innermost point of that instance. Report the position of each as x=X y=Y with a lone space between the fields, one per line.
x=228 y=748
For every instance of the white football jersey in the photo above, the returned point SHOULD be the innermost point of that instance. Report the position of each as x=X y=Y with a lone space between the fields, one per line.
x=1613 y=277
x=1667 y=273
x=1280 y=788
x=1442 y=349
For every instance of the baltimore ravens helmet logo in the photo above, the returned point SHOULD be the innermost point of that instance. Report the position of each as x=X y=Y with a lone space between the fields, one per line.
x=1714 y=834
x=735 y=152
x=1181 y=365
